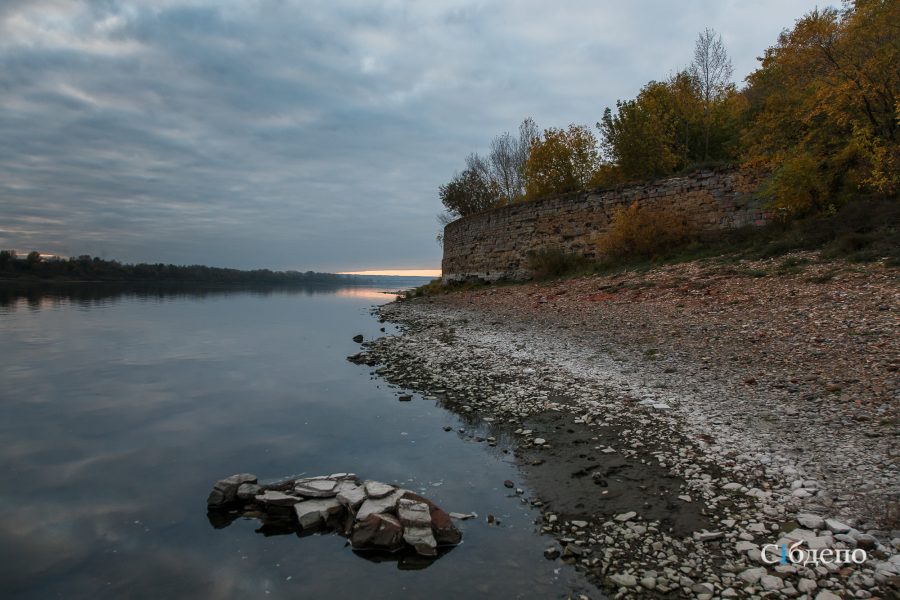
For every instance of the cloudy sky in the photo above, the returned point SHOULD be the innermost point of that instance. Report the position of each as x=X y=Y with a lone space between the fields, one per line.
x=303 y=134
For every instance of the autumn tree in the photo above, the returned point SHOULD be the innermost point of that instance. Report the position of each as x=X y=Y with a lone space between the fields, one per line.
x=712 y=71
x=560 y=161
x=664 y=129
x=824 y=107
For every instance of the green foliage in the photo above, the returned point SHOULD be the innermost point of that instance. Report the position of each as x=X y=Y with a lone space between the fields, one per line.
x=670 y=128
x=470 y=192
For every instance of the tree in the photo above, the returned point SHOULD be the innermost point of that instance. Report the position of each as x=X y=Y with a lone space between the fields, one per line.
x=823 y=108
x=507 y=160
x=712 y=70
x=7 y=258
x=668 y=128
x=563 y=160
x=471 y=191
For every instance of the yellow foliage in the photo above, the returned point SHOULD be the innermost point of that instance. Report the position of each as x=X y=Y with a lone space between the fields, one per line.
x=824 y=118
x=563 y=160
x=643 y=232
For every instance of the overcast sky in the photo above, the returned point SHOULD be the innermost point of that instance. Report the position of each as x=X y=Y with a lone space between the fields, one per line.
x=307 y=134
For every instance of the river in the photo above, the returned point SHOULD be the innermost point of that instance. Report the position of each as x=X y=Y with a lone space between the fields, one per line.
x=120 y=408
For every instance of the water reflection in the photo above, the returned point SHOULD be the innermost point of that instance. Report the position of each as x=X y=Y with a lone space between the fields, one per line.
x=271 y=525
x=87 y=296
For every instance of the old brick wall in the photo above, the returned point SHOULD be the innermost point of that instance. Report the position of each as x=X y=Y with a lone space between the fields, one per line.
x=494 y=244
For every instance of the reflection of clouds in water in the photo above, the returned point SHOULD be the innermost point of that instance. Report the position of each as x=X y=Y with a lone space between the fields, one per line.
x=367 y=293
x=50 y=538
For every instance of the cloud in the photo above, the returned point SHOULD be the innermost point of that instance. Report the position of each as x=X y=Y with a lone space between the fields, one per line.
x=301 y=134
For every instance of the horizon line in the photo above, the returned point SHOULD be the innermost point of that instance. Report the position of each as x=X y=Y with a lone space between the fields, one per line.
x=396 y=272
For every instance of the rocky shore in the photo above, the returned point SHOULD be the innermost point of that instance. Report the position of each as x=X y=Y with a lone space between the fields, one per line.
x=683 y=428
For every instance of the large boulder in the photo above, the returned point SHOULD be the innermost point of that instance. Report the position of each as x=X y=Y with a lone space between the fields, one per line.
x=381 y=531
x=224 y=491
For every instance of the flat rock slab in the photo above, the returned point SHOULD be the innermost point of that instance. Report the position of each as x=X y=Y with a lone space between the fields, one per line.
x=414 y=514
x=351 y=495
x=374 y=506
x=376 y=489
x=422 y=539
x=273 y=498
x=313 y=513
x=316 y=488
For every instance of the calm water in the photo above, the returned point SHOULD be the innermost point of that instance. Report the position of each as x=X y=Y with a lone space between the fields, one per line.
x=119 y=411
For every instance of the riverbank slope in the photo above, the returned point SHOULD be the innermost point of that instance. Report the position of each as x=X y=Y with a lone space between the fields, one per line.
x=673 y=422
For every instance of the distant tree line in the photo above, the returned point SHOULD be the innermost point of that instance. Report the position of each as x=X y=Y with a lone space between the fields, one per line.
x=821 y=115
x=88 y=268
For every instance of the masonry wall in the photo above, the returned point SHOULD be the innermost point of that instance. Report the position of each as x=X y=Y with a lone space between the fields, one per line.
x=494 y=244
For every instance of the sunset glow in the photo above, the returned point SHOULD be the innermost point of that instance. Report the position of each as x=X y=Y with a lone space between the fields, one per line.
x=398 y=272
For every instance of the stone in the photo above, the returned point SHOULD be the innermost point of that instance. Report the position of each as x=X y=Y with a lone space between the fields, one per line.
x=580 y=524
x=275 y=498
x=316 y=488
x=413 y=514
x=509 y=483
x=770 y=582
x=744 y=546
x=624 y=580
x=351 y=495
x=379 y=505
x=624 y=517
x=420 y=538
x=358 y=338
x=703 y=588
x=445 y=532
x=811 y=521
x=806 y=585
x=377 y=531
x=313 y=513
x=551 y=552
x=752 y=575
x=248 y=491
x=376 y=489
x=225 y=490
x=836 y=526
x=462 y=516
x=865 y=541
x=648 y=582
x=826 y=595
x=539 y=441
x=708 y=536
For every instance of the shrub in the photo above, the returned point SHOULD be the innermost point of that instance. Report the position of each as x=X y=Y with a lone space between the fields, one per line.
x=643 y=232
x=545 y=264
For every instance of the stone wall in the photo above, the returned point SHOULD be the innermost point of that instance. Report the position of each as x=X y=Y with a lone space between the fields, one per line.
x=494 y=244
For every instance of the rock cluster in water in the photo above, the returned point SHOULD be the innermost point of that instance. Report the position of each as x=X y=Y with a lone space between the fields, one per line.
x=374 y=515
